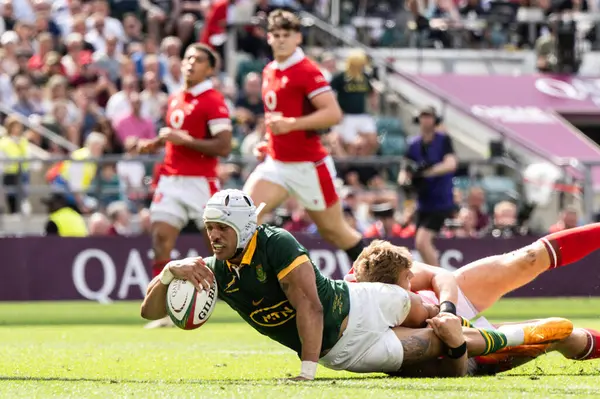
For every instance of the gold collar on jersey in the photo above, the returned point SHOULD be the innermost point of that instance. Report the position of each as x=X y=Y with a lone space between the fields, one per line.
x=249 y=254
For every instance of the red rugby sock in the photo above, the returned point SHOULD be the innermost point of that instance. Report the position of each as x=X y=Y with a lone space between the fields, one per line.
x=571 y=245
x=592 y=349
x=158 y=266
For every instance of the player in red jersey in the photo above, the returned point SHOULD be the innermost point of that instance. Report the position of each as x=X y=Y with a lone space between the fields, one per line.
x=298 y=104
x=198 y=131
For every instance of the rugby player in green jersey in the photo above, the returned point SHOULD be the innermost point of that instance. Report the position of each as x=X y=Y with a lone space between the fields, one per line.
x=265 y=275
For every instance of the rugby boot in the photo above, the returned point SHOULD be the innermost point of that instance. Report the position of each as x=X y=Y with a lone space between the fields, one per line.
x=547 y=330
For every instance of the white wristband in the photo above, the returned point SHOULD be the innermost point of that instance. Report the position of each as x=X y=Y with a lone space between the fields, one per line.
x=308 y=370
x=166 y=276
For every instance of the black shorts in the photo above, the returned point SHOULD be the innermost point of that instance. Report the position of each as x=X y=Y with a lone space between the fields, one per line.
x=434 y=220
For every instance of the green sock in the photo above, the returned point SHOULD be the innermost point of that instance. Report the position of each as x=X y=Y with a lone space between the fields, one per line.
x=494 y=340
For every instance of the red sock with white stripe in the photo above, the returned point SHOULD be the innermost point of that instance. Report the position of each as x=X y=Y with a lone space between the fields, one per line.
x=571 y=245
x=592 y=349
x=158 y=266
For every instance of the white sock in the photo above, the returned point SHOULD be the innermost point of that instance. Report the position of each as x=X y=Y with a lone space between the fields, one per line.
x=514 y=334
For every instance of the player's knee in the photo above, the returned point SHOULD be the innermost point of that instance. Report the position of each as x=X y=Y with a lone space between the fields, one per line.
x=335 y=235
x=187 y=21
x=154 y=19
x=422 y=242
x=161 y=239
x=524 y=258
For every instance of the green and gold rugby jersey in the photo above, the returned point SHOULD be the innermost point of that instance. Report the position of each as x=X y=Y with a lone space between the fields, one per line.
x=352 y=94
x=253 y=289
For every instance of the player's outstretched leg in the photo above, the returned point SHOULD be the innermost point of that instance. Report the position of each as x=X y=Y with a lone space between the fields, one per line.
x=164 y=237
x=264 y=191
x=422 y=348
x=485 y=281
x=582 y=344
x=333 y=227
x=421 y=344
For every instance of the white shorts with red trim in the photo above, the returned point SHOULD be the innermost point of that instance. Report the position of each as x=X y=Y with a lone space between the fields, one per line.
x=312 y=183
x=179 y=199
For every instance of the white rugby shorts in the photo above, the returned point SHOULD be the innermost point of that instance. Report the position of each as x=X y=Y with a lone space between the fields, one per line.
x=368 y=344
x=179 y=199
x=354 y=125
x=312 y=183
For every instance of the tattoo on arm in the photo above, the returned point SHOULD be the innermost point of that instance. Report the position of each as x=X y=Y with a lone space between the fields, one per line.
x=416 y=349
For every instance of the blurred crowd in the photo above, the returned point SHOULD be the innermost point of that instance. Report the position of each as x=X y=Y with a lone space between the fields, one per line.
x=95 y=76
x=515 y=24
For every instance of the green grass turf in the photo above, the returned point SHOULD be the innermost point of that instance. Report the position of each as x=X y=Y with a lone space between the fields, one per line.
x=86 y=350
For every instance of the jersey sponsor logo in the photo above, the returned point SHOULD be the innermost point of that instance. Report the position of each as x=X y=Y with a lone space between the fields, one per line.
x=260 y=274
x=337 y=304
x=320 y=79
x=256 y=303
x=271 y=100
x=176 y=119
x=274 y=316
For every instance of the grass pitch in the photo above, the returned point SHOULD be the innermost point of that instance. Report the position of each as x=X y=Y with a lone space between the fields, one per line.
x=86 y=350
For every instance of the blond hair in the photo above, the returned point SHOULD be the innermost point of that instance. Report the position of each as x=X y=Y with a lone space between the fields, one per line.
x=382 y=262
x=355 y=63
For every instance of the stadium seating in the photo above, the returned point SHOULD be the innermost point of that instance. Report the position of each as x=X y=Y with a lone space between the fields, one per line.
x=499 y=188
x=390 y=126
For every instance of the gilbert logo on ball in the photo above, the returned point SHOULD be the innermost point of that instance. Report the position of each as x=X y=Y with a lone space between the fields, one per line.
x=188 y=308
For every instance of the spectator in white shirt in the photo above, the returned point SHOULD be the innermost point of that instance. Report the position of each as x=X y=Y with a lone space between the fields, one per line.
x=112 y=26
x=118 y=105
x=131 y=175
x=173 y=78
x=108 y=60
x=23 y=10
x=8 y=62
x=154 y=101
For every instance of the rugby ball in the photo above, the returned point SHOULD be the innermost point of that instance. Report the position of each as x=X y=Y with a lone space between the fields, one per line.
x=188 y=308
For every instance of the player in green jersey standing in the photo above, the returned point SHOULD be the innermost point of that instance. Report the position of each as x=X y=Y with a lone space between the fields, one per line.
x=265 y=275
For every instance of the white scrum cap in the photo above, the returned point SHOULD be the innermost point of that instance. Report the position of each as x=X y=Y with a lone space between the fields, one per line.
x=235 y=209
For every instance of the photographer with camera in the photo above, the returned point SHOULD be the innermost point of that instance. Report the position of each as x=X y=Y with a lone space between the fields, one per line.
x=428 y=172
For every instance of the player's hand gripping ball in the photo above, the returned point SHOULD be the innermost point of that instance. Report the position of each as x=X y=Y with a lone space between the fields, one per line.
x=187 y=306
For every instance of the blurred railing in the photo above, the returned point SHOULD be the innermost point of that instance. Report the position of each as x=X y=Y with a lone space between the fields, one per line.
x=33 y=123
x=243 y=161
x=473 y=169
